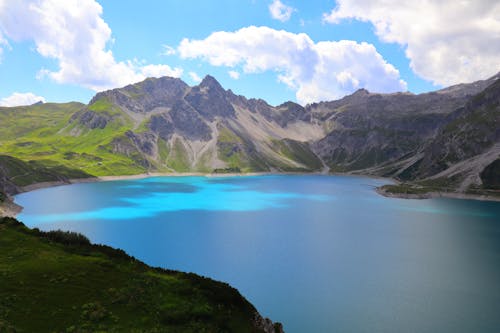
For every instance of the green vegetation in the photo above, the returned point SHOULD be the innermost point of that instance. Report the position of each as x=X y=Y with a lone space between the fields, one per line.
x=405 y=188
x=52 y=134
x=103 y=105
x=424 y=186
x=22 y=173
x=227 y=170
x=59 y=282
x=439 y=185
x=178 y=158
x=238 y=153
x=299 y=152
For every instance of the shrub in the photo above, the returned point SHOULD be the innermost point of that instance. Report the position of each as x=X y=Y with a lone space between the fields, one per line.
x=66 y=237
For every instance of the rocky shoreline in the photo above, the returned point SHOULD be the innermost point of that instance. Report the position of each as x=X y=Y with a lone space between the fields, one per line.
x=431 y=195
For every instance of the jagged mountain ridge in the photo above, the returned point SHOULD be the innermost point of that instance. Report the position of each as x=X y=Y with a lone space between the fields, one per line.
x=204 y=127
x=162 y=124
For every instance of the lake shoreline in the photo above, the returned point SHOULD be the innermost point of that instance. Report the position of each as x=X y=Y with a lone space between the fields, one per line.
x=11 y=209
x=433 y=195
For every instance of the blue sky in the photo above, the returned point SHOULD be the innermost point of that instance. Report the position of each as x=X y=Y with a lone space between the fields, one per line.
x=276 y=50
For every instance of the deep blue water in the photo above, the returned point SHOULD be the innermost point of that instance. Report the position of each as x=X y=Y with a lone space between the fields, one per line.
x=318 y=253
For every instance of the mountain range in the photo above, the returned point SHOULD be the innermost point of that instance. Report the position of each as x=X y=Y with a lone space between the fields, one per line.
x=443 y=140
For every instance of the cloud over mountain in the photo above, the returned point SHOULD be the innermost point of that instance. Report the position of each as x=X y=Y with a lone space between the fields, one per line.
x=17 y=99
x=73 y=33
x=316 y=71
x=447 y=42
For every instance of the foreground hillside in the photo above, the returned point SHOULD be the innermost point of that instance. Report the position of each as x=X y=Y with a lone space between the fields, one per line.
x=58 y=282
x=449 y=137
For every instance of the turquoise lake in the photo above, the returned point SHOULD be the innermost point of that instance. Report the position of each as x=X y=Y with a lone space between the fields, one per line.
x=317 y=253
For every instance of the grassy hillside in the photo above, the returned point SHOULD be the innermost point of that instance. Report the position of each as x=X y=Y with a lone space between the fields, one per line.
x=49 y=132
x=20 y=173
x=59 y=282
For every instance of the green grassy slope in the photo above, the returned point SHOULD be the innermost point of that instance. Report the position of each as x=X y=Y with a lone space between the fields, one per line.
x=58 y=282
x=46 y=133
x=21 y=173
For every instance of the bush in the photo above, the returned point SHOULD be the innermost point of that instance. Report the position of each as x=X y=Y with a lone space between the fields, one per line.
x=66 y=237
x=227 y=170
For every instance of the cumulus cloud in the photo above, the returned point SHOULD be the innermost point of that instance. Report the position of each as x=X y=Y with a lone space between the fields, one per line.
x=234 y=75
x=446 y=41
x=194 y=77
x=280 y=11
x=74 y=34
x=316 y=71
x=17 y=99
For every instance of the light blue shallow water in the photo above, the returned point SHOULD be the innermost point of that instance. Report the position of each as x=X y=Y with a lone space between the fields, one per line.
x=318 y=253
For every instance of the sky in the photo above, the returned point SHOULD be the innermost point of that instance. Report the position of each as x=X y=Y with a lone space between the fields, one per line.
x=277 y=50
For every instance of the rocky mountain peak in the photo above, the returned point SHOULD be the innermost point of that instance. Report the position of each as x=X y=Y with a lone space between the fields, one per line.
x=211 y=83
x=360 y=93
x=210 y=99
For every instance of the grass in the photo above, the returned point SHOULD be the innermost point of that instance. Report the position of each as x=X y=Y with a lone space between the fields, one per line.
x=178 y=157
x=59 y=282
x=46 y=132
x=299 y=152
x=231 y=149
x=26 y=173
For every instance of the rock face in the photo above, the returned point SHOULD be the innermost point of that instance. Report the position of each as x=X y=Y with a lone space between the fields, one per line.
x=145 y=96
x=266 y=325
x=453 y=133
x=469 y=132
x=371 y=129
x=210 y=99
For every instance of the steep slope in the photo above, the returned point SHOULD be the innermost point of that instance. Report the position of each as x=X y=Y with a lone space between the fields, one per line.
x=59 y=282
x=367 y=130
x=467 y=147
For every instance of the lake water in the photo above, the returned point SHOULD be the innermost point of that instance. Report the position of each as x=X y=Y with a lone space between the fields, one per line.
x=317 y=253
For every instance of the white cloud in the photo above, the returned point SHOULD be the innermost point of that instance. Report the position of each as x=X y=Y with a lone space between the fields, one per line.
x=194 y=77
x=17 y=99
x=73 y=33
x=280 y=11
x=234 y=75
x=159 y=70
x=168 y=50
x=446 y=41
x=316 y=71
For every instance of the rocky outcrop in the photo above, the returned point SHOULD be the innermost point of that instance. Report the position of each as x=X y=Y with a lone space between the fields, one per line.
x=266 y=325
x=146 y=96
x=469 y=131
x=210 y=99
x=91 y=119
